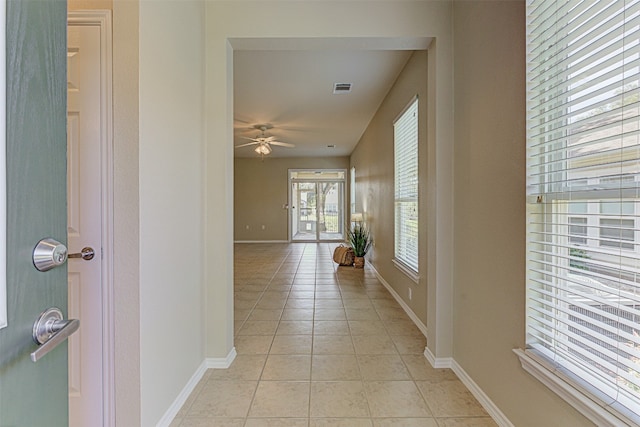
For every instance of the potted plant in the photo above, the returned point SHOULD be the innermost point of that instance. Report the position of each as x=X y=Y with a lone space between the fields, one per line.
x=360 y=241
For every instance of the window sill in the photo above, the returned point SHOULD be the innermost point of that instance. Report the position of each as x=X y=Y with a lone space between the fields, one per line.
x=566 y=389
x=409 y=272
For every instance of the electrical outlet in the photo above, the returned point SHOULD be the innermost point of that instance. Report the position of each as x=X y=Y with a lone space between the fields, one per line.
x=246 y=227
x=410 y=294
x=264 y=226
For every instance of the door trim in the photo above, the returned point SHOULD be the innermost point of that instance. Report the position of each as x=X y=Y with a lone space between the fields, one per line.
x=3 y=166
x=102 y=19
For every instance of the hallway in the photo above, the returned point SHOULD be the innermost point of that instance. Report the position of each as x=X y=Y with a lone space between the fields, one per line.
x=320 y=345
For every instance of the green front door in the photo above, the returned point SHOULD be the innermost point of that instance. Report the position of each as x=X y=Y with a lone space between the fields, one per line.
x=34 y=394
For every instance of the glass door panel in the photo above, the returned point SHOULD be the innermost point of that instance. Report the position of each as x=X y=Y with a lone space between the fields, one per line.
x=317 y=210
x=304 y=212
x=330 y=215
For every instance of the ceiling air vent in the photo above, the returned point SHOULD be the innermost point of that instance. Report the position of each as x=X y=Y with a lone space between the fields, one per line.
x=341 y=88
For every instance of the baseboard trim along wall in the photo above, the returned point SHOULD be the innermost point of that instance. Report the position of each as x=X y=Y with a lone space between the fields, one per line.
x=222 y=362
x=171 y=413
x=210 y=363
x=449 y=362
x=404 y=305
x=438 y=362
x=498 y=416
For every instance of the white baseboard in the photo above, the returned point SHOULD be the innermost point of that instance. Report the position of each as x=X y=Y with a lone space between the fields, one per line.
x=495 y=413
x=173 y=410
x=437 y=362
x=210 y=363
x=260 y=241
x=221 y=362
x=400 y=301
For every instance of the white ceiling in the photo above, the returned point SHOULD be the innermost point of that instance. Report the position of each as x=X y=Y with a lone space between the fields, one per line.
x=292 y=90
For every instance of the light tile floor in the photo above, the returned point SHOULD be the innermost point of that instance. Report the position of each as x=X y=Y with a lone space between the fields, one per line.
x=320 y=345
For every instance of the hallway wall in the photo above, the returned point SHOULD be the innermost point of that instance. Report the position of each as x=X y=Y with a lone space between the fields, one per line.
x=373 y=159
x=171 y=201
x=260 y=189
x=489 y=273
x=126 y=189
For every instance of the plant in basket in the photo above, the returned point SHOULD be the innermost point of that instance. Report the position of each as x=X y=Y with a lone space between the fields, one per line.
x=360 y=240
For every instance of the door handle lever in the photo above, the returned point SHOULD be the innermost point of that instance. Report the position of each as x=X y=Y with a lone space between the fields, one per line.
x=49 y=330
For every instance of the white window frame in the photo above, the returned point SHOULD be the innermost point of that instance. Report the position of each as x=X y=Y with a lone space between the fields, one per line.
x=406 y=186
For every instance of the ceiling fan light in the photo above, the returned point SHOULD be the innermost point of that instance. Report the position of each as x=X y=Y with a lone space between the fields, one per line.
x=263 y=149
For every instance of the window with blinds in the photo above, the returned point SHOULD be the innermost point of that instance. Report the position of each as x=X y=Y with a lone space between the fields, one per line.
x=405 y=137
x=583 y=203
x=352 y=188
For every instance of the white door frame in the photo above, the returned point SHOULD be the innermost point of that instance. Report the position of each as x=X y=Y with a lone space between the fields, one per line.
x=102 y=19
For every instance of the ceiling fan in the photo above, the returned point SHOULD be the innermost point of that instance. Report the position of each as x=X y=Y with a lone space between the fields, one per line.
x=263 y=143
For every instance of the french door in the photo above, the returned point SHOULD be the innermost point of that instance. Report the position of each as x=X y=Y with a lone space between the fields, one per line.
x=317 y=210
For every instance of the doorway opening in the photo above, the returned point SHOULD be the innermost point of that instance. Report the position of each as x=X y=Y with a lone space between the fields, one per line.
x=317 y=201
x=90 y=217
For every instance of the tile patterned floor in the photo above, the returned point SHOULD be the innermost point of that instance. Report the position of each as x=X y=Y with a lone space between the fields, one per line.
x=320 y=345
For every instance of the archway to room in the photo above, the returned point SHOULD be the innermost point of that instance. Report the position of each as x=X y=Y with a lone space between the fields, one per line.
x=314 y=98
x=287 y=93
x=263 y=180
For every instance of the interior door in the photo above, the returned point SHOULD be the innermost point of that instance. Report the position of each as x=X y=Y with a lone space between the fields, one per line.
x=34 y=394
x=84 y=220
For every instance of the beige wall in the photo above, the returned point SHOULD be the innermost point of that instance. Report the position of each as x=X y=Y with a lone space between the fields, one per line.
x=489 y=274
x=171 y=205
x=260 y=190
x=373 y=160
x=126 y=275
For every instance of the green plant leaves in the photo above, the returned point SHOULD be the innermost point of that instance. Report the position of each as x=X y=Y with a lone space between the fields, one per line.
x=360 y=239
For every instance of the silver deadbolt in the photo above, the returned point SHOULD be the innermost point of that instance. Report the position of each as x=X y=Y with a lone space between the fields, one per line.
x=50 y=253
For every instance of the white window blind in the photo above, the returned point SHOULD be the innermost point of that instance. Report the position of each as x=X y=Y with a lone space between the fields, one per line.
x=352 y=188
x=405 y=135
x=583 y=169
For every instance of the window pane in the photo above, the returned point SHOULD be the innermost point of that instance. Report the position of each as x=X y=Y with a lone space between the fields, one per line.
x=608 y=207
x=615 y=233
x=406 y=186
x=578 y=230
x=578 y=207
